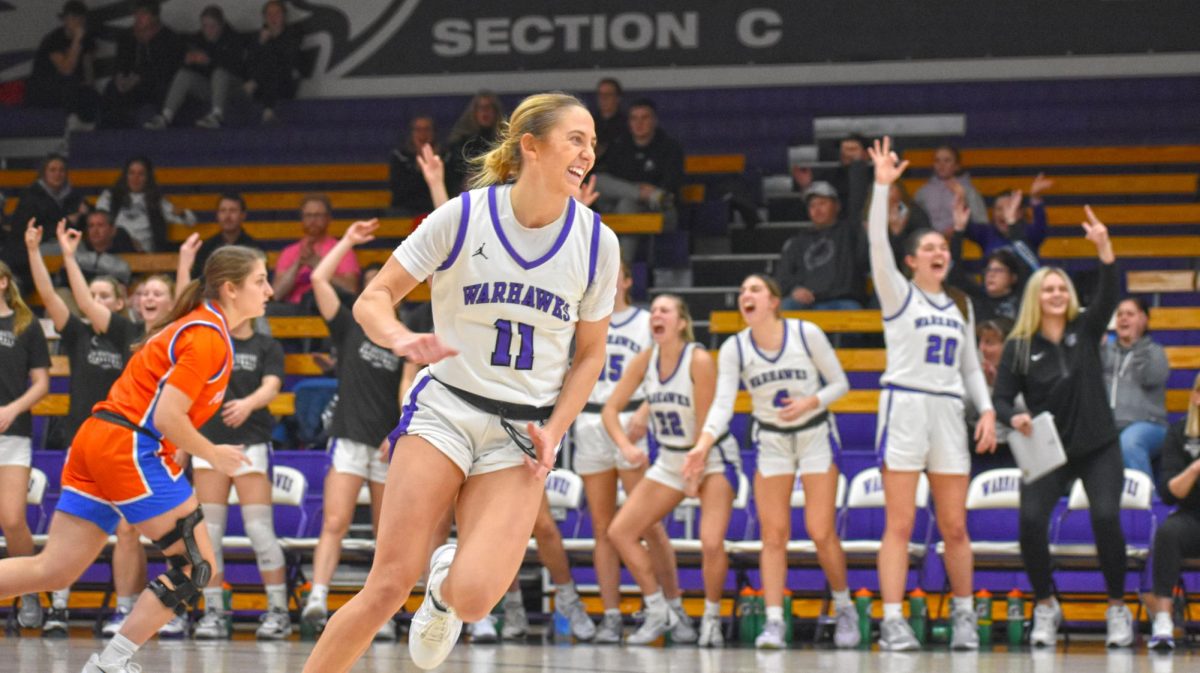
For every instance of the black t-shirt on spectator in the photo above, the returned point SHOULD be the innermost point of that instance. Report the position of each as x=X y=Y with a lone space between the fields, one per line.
x=156 y=61
x=211 y=245
x=20 y=353
x=45 y=75
x=410 y=193
x=97 y=360
x=607 y=132
x=227 y=53
x=253 y=359
x=659 y=162
x=368 y=405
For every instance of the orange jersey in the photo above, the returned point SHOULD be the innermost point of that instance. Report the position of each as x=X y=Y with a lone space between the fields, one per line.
x=193 y=354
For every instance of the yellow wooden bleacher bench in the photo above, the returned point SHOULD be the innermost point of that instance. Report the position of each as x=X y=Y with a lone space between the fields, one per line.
x=1084 y=185
x=869 y=320
x=1178 y=280
x=1133 y=214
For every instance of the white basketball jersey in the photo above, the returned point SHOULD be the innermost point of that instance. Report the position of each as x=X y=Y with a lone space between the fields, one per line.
x=925 y=341
x=672 y=407
x=627 y=337
x=790 y=374
x=512 y=318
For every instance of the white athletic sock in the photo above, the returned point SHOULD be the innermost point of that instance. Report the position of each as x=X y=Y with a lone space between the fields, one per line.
x=58 y=599
x=712 y=608
x=774 y=613
x=893 y=610
x=841 y=598
x=320 y=592
x=655 y=602
x=566 y=593
x=277 y=596
x=118 y=652
x=962 y=603
x=613 y=611
x=675 y=603
x=514 y=597
x=125 y=603
x=214 y=598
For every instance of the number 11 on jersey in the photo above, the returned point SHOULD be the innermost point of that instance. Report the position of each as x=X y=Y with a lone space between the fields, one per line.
x=502 y=354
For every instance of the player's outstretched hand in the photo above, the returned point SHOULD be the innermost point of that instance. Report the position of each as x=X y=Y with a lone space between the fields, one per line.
x=888 y=166
x=422 y=348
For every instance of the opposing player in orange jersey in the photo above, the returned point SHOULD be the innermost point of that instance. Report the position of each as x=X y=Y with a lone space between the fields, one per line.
x=122 y=461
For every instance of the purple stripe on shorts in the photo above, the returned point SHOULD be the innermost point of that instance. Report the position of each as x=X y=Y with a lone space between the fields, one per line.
x=881 y=450
x=407 y=413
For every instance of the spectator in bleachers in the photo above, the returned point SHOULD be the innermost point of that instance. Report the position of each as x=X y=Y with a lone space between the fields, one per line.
x=231 y=216
x=1008 y=227
x=610 y=118
x=147 y=58
x=64 y=70
x=96 y=351
x=103 y=243
x=1178 y=537
x=213 y=67
x=273 y=60
x=473 y=134
x=1135 y=376
x=138 y=206
x=409 y=169
x=851 y=177
x=999 y=296
x=371 y=380
x=24 y=380
x=990 y=335
x=643 y=169
x=824 y=267
x=49 y=199
x=293 y=269
x=1053 y=358
x=948 y=182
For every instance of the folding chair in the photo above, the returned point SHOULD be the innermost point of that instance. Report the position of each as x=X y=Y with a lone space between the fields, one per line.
x=289 y=488
x=34 y=496
x=861 y=543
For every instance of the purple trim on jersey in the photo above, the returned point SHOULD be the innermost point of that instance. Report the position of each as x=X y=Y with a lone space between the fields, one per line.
x=628 y=320
x=562 y=236
x=782 y=347
x=893 y=386
x=881 y=448
x=803 y=339
x=940 y=308
x=658 y=369
x=903 y=306
x=595 y=243
x=461 y=236
x=741 y=360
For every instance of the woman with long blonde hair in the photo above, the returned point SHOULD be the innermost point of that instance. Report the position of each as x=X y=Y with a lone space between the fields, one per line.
x=1178 y=537
x=520 y=270
x=1052 y=357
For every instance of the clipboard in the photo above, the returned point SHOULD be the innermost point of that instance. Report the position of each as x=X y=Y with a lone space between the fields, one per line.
x=1040 y=453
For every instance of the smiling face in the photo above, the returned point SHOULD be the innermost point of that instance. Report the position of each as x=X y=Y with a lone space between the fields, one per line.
x=930 y=260
x=667 y=323
x=757 y=302
x=1054 y=296
x=156 y=300
x=567 y=152
x=249 y=298
x=1131 y=322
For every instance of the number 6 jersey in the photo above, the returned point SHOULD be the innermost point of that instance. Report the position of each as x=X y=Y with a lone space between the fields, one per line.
x=507 y=297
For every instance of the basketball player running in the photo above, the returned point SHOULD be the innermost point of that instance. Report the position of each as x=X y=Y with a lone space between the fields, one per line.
x=929 y=332
x=122 y=460
x=481 y=425
x=792 y=375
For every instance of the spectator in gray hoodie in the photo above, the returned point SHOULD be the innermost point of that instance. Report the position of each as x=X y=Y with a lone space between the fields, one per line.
x=1135 y=375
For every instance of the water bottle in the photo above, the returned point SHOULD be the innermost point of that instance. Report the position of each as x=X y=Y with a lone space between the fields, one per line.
x=748 y=619
x=918 y=614
x=307 y=631
x=862 y=604
x=787 y=615
x=1016 y=618
x=562 y=627
x=227 y=605
x=983 y=614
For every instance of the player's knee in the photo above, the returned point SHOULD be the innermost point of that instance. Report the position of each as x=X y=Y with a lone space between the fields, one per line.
x=822 y=534
x=774 y=538
x=336 y=525
x=188 y=572
x=12 y=520
x=954 y=532
x=712 y=546
x=901 y=526
x=260 y=528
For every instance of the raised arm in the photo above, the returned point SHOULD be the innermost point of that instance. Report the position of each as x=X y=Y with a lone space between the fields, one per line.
x=890 y=284
x=434 y=172
x=326 y=295
x=187 y=260
x=97 y=313
x=1108 y=289
x=56 y=308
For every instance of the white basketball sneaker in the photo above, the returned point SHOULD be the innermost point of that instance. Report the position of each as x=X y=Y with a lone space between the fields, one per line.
x=435 y=628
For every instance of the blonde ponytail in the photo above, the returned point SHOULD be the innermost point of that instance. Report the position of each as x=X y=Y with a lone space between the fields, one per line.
x=22 y=315
x=536 y=115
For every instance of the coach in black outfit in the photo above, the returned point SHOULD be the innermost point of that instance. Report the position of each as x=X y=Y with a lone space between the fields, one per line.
x=1053 y=358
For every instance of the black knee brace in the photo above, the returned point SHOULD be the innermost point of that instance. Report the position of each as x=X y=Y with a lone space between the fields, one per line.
x=184 y=589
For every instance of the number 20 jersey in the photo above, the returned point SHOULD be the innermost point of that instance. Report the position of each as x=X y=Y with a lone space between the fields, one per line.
x=925 y=344
x=512 y=317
